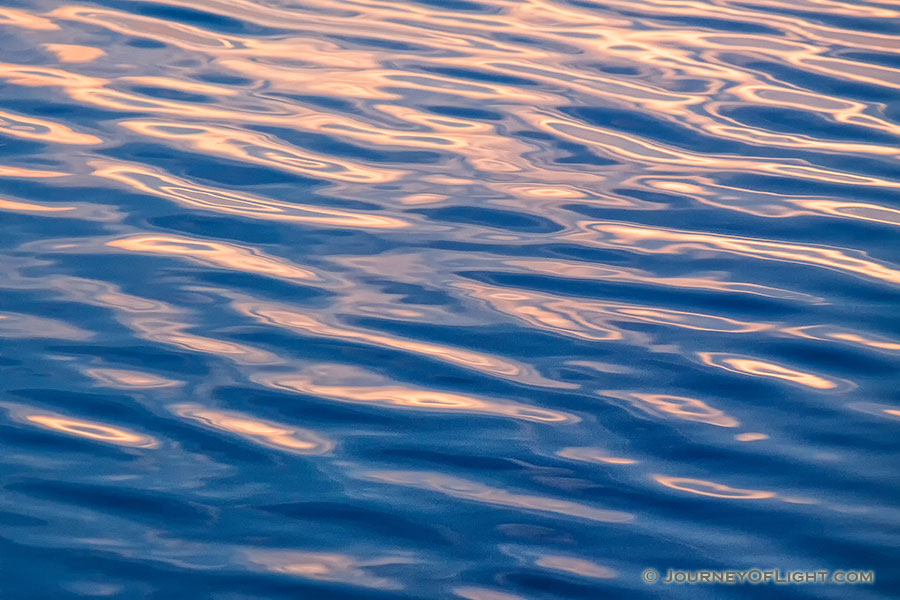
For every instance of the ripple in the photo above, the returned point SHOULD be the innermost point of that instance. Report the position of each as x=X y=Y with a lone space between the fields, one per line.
x=429 y=298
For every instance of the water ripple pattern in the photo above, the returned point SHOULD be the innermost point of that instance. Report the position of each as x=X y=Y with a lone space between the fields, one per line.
x=480 y=299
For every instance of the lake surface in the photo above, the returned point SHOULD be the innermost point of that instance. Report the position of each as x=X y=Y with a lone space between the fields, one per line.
x=426 y=299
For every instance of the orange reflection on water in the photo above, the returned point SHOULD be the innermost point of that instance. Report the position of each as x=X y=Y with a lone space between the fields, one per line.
x=29 y=207
x=6 y=171
x=577 y=566
x=827 y=333
x=27 y=20
x=470 y=592
x=584 y=270
x=109 y=295
x=196 y=196
x=322 y=566
x=219 y=254
x=594 y=320
x=709 y=488
x=669 y=241
x=262 y=149
x=72 y=53
x=478 y=492
x=41 y=76
x=594 y=455
x=166 y=330
x=94 y=431
x=45 y=131
x=127 y=379
x=751 y=437
x=680 y=407
x=884 y=411
x=130 y=24
x=410 y=398
x=23 y=326
x=267 y=433
x=305 y=323
x=180 y=84
x=760 y=368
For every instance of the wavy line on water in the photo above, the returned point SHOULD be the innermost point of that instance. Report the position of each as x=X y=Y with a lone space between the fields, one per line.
x=345 y=383
x=478 y=492
x=279 y=436
x=308 y=325
x=657 y=240
x=196 y=196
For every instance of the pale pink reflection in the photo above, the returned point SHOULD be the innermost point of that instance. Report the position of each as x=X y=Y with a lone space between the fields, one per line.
x=324 y=566
x=266 y=433
x=350 y=384
x=761 y=368
x=129 y=379
x=678 y=407
x=308 y=324
x=22 y=326
x=91 y=430
x=478 y=492
x=710 y=488
x=197 y=196
x=594 y=455
x=72 y=53
x=470 y=592
x=575 y=566
x=219 y=254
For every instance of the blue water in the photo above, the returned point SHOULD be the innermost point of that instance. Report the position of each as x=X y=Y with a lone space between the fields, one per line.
x=426 y=299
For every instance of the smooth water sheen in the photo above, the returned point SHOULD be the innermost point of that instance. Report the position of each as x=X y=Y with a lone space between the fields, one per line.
x=479 y=299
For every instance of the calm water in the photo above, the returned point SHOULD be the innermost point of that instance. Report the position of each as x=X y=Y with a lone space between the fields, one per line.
x=479 y=299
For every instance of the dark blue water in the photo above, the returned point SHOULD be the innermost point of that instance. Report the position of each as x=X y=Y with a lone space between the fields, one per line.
x=426 y=299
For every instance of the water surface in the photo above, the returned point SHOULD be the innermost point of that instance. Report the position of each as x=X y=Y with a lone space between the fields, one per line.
x=480 y=299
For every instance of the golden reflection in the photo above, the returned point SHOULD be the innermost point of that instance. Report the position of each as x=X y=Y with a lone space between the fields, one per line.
x=478 y=492
x=576 y=566
x=751 y=437
x=395 y=395
x=71 y=53
x=709 y=488
x=760 y=368
x=219 y=254
x=94 y=431
x=323 y=566
x=594 y=455
x=266 y=433
x=679 y=407
x=127 y=379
